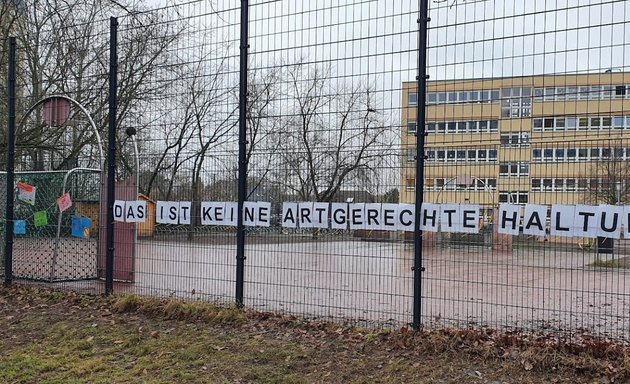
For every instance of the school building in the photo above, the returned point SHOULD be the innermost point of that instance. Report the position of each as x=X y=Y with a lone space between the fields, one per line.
x=561 y=139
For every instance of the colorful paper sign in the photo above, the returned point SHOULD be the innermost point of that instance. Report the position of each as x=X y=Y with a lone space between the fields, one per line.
x=64 y=202
x=41 y=219
x=19 y=227
x=81 y=227
x=26 y=193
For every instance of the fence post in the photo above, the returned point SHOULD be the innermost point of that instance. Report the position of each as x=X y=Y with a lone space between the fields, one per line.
x=8 y=228
x=420 y=136
x=111 y=154
x=242 y=156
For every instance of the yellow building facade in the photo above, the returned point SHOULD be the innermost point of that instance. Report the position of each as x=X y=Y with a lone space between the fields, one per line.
x=562 y=139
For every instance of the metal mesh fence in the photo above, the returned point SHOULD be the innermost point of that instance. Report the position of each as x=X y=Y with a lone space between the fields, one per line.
x=525 y=109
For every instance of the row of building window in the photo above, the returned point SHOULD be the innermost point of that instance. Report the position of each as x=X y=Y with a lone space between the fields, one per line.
x=579 y=154
x=487 y=185
x=456 y=155
x=547 y=124
x=453 y=127
x=514 y=197
x=604 y=92
x=570 y=185
x=461 y=97
x=580 y=123
x=537 y=185
x=451 y=184
x=515 y=140
x=539 y=155
x=513 y=169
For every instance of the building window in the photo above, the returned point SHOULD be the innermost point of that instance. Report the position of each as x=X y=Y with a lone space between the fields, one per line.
x=513 y=169
x=412 y=154
x=460 y=155
x=412 y=99
x=583 y=123
x=536 y=183
x=411 y=128
x=516 y=197
x=411 y=185
x=463 y=97
x=520 y=139
x=516 y=102
x=460 y=127
x=620 y=91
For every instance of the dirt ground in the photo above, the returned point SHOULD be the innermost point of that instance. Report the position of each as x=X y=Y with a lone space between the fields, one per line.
x=59 y=337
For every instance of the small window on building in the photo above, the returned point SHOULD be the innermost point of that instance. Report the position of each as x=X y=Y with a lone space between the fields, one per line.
x=536 y=155
x=582 y=154
x=536 y=184
x=411 y=128
x=620 y=91
x=412 y=99
x=411 y=185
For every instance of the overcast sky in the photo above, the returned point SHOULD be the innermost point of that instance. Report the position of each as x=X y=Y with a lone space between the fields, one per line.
x=375 y=41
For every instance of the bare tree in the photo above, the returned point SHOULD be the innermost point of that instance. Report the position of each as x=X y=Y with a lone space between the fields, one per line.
x=263 y=122
x=609 y=179
x=335 y=135
x=64 y=49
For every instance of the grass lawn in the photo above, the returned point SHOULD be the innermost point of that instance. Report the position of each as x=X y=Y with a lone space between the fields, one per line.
x=54 y=337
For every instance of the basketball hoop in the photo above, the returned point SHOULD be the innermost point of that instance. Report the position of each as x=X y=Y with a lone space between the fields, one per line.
x=464 y=180
x=56 y=111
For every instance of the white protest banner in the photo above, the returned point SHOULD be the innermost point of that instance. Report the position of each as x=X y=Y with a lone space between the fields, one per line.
x=449 y=218
x=320 y=215
x=535 y=220
x=610 y=219
x=357 y=215
x=184 y=212
x=289 y=215
x=562 y=217
x=509 y=219
x=430 y=217
x=305 y=210
x=119 y=210
x=135 y=211
x=389 y=214
x=212 y=213
x=262 y=214
x=166 y=212
x=585 y=221
x=468 y=218
x=373 y=220
x=339 y=216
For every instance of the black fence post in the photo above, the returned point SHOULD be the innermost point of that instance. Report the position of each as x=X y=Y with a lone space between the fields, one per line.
x=8 y=228
x=420 y=136
x=242 y=156
x=111 y=154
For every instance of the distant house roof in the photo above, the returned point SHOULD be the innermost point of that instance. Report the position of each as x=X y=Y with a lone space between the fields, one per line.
x=356 y=195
